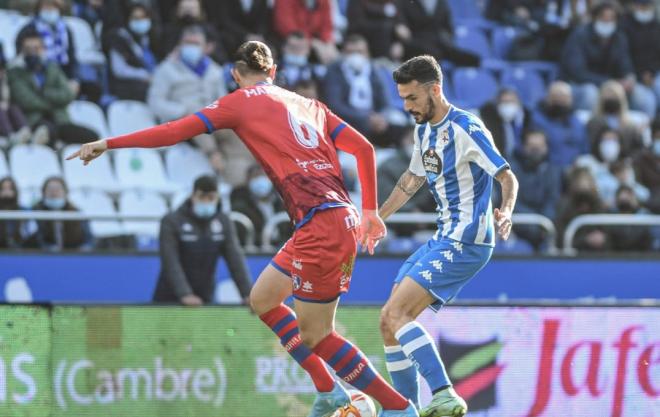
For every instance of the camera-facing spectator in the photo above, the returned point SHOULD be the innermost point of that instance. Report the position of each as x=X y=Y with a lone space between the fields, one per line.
x=598 y=51
x=57 y=234
x=611 y=112
x=647 y=168
x=130 y=55
x=12 y=232
x=240 y=20
x=382 y=24
x=507 y=120
x=13 y=124
x=41 y=90
x=259 y=201
x=354 y=90
x=567 y=135
x=582 y=198
x=295 y=65
x=190 y=13
x=629 y=237
x=311 y=17
x=191 y=240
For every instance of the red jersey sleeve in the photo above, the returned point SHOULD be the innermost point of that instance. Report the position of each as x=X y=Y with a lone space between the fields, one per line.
x=347 y=139
x=222 y=113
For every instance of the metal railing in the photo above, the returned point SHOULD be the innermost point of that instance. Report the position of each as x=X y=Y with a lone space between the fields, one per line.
x=78 y=216
x=425 y=218
x=605 y=220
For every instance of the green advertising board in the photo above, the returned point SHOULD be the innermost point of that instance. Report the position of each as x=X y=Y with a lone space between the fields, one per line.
x=156 y=361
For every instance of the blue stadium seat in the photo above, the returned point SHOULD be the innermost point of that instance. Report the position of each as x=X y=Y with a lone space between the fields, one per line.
x=502 y=38
x=549 y=70
x=528 y=83
x=473 y=87
x=474 y=40
x=464 y=9
x=393 y=99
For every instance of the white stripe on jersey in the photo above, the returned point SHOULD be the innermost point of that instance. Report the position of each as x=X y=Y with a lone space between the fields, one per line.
x=465 y=191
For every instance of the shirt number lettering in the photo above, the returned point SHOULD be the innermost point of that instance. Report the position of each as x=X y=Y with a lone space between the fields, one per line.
x=305 y=133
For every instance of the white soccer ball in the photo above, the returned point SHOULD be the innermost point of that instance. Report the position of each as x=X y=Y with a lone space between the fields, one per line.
x=361 y=406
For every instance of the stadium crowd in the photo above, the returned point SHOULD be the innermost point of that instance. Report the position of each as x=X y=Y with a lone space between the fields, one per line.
x=569 y=89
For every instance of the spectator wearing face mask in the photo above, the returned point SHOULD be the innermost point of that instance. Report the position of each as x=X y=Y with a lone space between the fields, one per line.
x=643 y=30
x=582 y=198
x=259 y=201
x=540 y=183
x=187 y=81
x=240 y=20
x=12 y=232
x=507 y=120
x=629 y=238
x=295 y=65
x=647 y=168
x=611 y=112
x=13 y=124
x=58 y=41
x=59 y=235
x=382 y=24
x=598 y=51
x=191 y=239
x=354 y=90
x=190 y=13
x=566 y=134
x=130 y=55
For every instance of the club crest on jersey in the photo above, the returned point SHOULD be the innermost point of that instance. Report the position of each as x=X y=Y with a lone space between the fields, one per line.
x=432 y=162
x=297 y=282
x=445 y=136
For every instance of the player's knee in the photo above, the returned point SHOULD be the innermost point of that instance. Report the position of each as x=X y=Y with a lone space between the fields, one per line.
x=392 y=319
x=312 y=336
x=260 y=302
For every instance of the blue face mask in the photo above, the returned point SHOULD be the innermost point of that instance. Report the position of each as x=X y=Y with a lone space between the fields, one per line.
x=260 y=186
x=295 y=60
x=204 y=210
x=50 y=16
x=191 y=54
x=140 y=26
x=55 y=203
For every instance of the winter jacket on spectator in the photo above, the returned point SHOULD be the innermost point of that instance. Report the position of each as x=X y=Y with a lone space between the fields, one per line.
x=58 y=41
x=375 y=20
x=132 y=63
x=644 y=43
x=295 y=16
x=567 y=136
x=236 y=22
x=647 y=173
x=59 y=234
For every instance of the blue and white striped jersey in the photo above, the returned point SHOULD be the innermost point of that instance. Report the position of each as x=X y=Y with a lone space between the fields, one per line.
x=459 y=159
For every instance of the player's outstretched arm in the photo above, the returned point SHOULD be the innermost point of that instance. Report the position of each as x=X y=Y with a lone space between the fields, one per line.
x=166 y=134
x=403 y=191
x=509 y=194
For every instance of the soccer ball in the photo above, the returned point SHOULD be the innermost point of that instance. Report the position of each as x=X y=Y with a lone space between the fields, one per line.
x=361 y=406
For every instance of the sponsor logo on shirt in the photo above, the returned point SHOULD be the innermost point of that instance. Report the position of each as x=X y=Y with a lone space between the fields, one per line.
x=431 y=162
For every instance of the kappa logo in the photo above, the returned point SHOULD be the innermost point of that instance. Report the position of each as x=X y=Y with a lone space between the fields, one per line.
x=437 y=264
x=296 y=281
x=307 y=286
x=213 y=105
x=474 y=128
x=297 y=263
x=449 y=255
x=458 y=246
x=427 y=275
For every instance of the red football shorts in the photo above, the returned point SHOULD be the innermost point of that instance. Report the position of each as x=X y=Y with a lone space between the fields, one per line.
x=319 y=257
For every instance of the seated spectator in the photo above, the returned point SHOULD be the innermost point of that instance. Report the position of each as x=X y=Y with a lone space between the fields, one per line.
x=354 y=90
x=190 y=13
x=187 y=81
x=12 y=232
x=382 y=24
x=643 y=30
x=57 y=38
x=191 y=239
x=527 y=17
x=647 y=168
x=611 y=112
x=598 y=51
x=582 y=198
x=259 y=201
x=41 y=90
x=57 y=234
x=389 y=172
x=240 y=20
x=432 y=32
x=507 y=120
x=13 y=124
x=311 y=17
x=130 y=55
x=540 y=184
x=567 y=136
x=295 y=64
x=91 y=11
x=629 y=237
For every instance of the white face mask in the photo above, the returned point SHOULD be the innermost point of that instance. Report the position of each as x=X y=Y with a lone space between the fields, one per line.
x=356 y=61
x=508 y=111
x=605 y=29
x=644 y=16
x=609 y=150
x=50 y=16
x=260 y=186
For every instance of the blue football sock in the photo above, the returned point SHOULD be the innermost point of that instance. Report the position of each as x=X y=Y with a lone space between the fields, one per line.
x=403 y=373
x=418 y=346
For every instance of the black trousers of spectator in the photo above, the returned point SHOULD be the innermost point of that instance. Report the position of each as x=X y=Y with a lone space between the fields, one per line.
x=69 y=133
x=441 y=50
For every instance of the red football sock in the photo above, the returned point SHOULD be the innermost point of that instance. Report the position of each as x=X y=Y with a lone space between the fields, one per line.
x=283 y=322
x=352 y=366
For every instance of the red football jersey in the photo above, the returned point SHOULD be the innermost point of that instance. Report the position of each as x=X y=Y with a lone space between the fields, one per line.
x=292 y=137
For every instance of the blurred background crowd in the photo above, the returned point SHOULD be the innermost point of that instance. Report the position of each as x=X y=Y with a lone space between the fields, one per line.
x=570 y=90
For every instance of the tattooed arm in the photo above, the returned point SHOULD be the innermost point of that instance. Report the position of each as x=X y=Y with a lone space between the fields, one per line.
x=403 y=191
